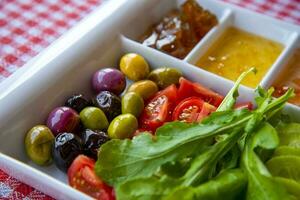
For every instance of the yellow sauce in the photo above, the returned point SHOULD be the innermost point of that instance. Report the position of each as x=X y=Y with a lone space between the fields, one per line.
x=236 y=51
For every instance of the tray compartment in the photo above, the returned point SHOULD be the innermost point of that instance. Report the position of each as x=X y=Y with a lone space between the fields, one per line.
x=256 y=24
x=139 y=25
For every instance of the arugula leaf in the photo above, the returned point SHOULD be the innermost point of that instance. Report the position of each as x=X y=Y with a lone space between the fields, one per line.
x=230 y=160
x=175 y=169
x=228 y=185
x=120 y=160
x=267 y=106
x=263 y=99
x=276 y=105
x=260 y=183
x=230 y=99
x=203 y=167
x=279 y=118
x=149 y=188
x=260 y=95
x=200 y=170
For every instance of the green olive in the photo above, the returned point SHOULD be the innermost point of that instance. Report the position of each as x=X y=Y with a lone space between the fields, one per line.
x=123 y=126
x=145 y=88
x=134 y=66
x=38 y=144
x=165 y=76
x=93 y=118
x=132 y=103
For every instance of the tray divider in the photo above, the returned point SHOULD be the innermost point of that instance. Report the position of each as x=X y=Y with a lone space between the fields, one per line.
x=210 y=38
x=280 y=63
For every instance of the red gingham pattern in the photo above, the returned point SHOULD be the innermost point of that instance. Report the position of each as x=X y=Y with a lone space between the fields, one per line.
x=28 y=26
x=12 y=189
x=287 y=10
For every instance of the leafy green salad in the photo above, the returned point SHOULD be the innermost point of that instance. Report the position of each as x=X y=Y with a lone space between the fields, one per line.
x=232 y=154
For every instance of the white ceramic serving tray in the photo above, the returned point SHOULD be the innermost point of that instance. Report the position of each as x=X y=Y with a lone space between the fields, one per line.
x=99 y=41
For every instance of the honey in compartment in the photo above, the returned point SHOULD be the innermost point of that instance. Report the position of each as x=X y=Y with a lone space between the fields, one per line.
x=236 y=51
x=290 y=78
x=180 y=30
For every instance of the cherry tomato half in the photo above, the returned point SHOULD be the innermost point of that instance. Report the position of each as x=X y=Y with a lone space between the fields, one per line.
x=171 y=92
x=189 y=89
x=247 y=105
x=158 y=110
x=82 y=177
x=206 y=110
x=192 y=109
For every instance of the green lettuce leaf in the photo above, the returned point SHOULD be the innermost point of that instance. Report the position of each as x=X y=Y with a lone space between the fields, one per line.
x=261 y=185
x=289 y=134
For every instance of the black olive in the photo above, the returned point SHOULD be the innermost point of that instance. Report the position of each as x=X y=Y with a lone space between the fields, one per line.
x=92 y=140
x=77 y=102
x=109 y=103
x=66 y=148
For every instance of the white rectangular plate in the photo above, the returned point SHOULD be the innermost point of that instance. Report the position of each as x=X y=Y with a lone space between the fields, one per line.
x=98 y=41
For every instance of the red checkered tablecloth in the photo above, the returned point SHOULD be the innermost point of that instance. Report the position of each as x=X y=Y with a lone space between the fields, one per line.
x=29 y=26
x=11 y=188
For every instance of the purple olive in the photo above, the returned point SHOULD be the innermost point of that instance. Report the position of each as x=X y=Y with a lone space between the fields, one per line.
x=109 y=79
x=63 y=119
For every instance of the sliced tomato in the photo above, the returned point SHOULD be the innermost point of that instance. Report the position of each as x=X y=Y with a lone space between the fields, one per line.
x=155 y=113
x=81 y=176
x=192 y=109
x=158 y=109
x=206 y=110
x=188 y=89
x=171 y=92
x=247 y=105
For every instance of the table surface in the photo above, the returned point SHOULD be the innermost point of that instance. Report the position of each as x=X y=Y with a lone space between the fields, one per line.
x=29 y=26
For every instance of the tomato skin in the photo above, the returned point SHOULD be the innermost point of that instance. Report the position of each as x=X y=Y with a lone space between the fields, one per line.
x=192 y=109
x=171 y=92
x=82 y=177
x=247 y=105
x=185 y=89
x=188 y=89
x=207 y=109
x=158 y=109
